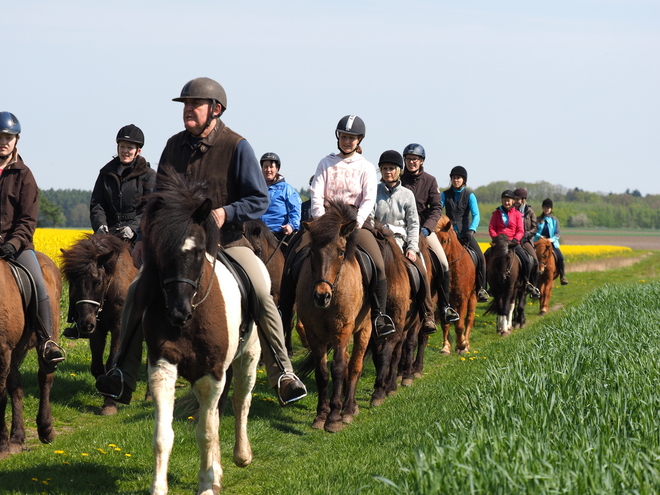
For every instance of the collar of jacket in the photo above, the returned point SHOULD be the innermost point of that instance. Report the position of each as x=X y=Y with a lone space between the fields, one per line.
x=141 y=165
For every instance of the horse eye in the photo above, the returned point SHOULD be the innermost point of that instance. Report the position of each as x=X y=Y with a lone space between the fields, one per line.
x=342 y=253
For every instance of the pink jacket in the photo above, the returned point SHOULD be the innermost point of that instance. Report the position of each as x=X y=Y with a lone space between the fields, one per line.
x=515 y=228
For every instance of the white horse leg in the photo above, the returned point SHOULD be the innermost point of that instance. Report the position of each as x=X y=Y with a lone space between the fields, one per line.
x=208 y=391
x=162 y=378
x=245 y=376
x=512 y=307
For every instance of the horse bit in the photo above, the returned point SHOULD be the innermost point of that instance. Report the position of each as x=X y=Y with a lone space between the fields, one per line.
x=99 y=305
x=195 y=285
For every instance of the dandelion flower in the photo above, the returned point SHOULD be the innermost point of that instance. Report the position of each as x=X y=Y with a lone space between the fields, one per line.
x=84 y=454
x=59 y=452
x=117 y=449
x=127 y=455
x=462 y=359
x=111 y=445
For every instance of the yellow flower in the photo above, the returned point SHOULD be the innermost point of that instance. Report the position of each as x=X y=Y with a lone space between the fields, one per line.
x=101 y=451
x=35 y=479
x=111 y=445
x=462 y=359
x=59 y=452
x=66 y=463
x=84 y=454
x=127 y=455
x=117 y=449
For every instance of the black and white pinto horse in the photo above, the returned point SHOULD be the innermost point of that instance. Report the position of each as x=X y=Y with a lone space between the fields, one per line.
x=191 y=320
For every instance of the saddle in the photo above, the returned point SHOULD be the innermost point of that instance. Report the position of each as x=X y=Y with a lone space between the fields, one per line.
x=249 y=299
x=414 y=275
x=26 y=288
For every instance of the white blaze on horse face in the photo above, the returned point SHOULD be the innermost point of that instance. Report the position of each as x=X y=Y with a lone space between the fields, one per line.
x=188 y=244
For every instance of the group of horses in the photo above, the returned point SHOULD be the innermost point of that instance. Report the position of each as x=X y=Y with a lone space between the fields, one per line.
x=194 y=325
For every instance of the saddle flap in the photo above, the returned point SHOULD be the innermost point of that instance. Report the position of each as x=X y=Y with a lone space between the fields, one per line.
x=368 y=269
x=26 y=287
x=414 y=276
x=249 y=300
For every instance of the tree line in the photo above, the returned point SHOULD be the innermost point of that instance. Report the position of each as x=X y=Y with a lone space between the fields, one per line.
x=69 y=208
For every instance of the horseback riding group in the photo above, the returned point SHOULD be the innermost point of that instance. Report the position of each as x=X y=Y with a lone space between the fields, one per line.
x=373 y=264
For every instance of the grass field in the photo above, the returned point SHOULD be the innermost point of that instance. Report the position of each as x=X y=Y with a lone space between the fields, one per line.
x=565 y=405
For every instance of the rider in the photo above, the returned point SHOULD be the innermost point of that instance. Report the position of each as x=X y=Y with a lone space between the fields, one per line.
x=208 y=150
x=349 y=177
x=396 y=209
x=530 y=227
x=509 y=221
x=429 y=207
x=549 y=228
x=283 y=214
x=119 y=196
x=19 y=204
x=459 y=203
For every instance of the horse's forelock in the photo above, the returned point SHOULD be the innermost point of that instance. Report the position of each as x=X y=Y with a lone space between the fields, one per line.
x=81 y=258
x=326 y=228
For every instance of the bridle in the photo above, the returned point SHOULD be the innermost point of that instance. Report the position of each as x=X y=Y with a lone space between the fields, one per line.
x=333 y=286
x=99 y=305
x=195 y=285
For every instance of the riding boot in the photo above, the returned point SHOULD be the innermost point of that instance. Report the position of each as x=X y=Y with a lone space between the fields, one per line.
x=482 y=295
x=382 y=324
x=531 y=288
x=120 y=381
x=49 y=352
x=561 y=266
x=426 y=306
x=71 y=332
x=449 y=313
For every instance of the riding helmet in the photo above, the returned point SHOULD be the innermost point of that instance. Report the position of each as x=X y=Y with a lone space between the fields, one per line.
x=9 y=124
x=351 y=124
x=391 y=157
x=272 y=157
x=508 y=194
x=203 y=88
x=415 y=149
x=131 y=134
x=547 y=203
x=460 y=171
x=520 y=193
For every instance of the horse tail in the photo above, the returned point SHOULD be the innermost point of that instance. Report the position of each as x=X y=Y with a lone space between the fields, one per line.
x=305 y=367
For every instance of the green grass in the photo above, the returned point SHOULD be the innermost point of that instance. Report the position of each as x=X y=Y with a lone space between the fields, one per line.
x=486 y=424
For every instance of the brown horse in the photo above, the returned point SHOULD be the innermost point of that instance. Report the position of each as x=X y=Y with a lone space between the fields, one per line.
x=17 y=337
x=506 y=282
x=267 y=248
x=463 y=294
x=548 y=272
x=191 y=320
x=333 y=306
x=99 y=270
x=402 y=308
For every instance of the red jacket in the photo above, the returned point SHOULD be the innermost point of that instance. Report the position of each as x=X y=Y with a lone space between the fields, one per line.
x=514 y=230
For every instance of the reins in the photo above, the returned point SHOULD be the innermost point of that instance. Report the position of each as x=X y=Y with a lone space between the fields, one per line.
x=279 y=245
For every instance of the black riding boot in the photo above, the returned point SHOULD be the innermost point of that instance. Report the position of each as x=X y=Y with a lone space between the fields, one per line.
x=529 y=278
x=383 y=324
x=49 y=352
x=449 y=313
x=482 y=295
x=72 y=332
x=561 y=266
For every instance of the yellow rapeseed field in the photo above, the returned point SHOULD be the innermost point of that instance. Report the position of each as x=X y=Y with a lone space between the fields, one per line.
x=50 y=241
x=577 y=253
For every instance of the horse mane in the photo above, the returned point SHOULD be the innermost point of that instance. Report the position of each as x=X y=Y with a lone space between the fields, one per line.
x=264 y=232
x=79 y=259
x=171 y=208
x=325 y=229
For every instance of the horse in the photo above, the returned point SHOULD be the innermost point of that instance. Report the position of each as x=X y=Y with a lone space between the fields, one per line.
x=402 y=307
x=506 y=281
x=267 y=248
x=17 y=337
x=99 y=270
x=463 y=293
x=192 y=315
x=334 y=306
x=547 y=272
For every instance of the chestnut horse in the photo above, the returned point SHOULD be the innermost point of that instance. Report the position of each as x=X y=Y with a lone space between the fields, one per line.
x=402 y=307
x=99 y=270
x=462 y=288
x=17 y=337
x=191 y=320
x=334 y=306
x=547 y=271
x=506 y=283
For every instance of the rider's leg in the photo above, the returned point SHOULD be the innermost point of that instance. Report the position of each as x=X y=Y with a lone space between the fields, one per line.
x=271 y=335
x=534 y=277
x=449 y=313
x=426 y=303
x=120 y=381
x=482 y=295
x=561 y=266
x=527 y=267
x=382 y=323
x=288 y=283
x=49 y=352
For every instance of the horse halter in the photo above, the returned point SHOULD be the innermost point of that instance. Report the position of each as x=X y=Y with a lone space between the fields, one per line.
x=333 y=286
x=99 y=305
x=195 y=285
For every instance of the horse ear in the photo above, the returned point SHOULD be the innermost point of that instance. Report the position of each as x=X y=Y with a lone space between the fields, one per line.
x=203 y=211
x=346 y=229
x=306 y=225
x=256 y=231
x=104 y=259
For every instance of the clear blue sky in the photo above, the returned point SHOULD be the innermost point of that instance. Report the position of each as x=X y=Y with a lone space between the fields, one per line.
x=563 y=91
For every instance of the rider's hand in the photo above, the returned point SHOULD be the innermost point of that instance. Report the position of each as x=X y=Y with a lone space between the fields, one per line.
x=287 y=229
x=7 y=250
x=137 y=254
x=126 y=233
x=103 y=229
x=411 y=255
x=426 y=232
x=219 y=216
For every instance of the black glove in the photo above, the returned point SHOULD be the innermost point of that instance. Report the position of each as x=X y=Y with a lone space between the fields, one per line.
x=514 y=242
x=7 y=251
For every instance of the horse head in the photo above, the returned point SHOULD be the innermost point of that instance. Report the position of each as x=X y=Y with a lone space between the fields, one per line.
x=179 y=231
x=332 y=243
x=544 y=252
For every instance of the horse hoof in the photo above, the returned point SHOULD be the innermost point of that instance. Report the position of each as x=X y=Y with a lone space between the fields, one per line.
x=417 y=374
x=333 y=427
x=46 y=435
x=318 y=423
x=390 y=393
x=347 y=419
x=109 y=410
x=377 y=402
x=407 y=382
x=445 y=351
x=543 y=313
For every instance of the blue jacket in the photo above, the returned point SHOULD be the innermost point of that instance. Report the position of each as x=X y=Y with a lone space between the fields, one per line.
x=472 y=206
x=285 y=205
x=553 y=229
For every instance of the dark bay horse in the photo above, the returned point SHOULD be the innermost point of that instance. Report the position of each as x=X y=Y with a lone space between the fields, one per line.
x=334 y=306
x=402 y=308
x=17 y=337
x=463 y=294
x=547 y=272
x=99 y=270
x=191 y=320
x=506 y=283
x=267 y=248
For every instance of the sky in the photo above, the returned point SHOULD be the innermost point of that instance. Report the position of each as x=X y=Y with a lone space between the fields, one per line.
x=566 y=92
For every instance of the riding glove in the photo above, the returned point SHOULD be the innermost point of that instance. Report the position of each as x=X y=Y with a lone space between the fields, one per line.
x=103 y=229
x=426 y=232
x=7 y=250
x=126 y=232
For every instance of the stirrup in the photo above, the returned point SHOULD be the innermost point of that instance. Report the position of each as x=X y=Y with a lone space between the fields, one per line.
x=388 y=321
x=121 y=390
x=54 y=361
x=278 y=388
x=451 y=314
x=72 y=327
x=534 y=292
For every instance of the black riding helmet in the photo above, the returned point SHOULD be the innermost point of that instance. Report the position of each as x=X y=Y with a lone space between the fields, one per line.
x=460 y=171
x=272 y=157
x=9 y=124
x=415 y=149
x=391 y=157
x=204 y=88
x=353 y=125
x=131 y=134
x=508 y=193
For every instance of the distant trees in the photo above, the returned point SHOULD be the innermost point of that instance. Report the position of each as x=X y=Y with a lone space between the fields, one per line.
x=72 y=205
